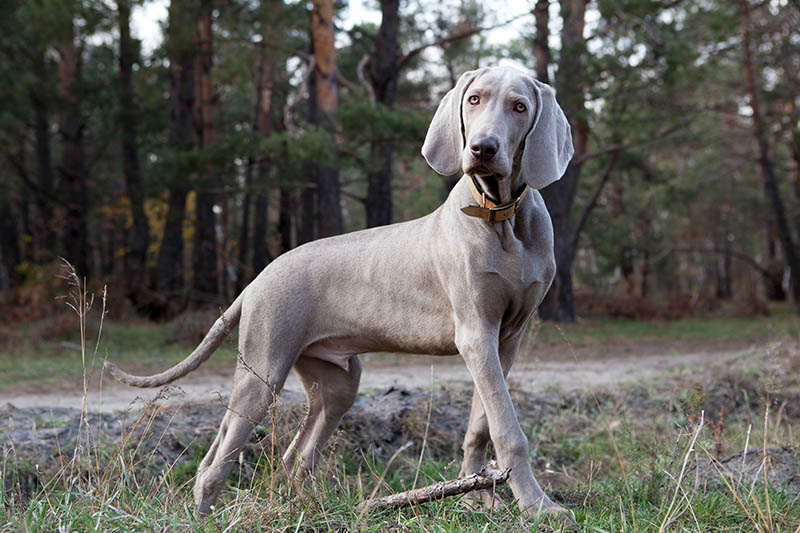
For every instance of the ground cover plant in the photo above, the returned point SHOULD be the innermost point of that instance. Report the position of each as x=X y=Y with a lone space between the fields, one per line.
x=709 y=449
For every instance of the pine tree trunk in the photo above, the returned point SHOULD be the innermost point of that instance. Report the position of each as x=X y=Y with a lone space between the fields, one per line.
x=170 y=272
x=306 y=231
x=208 y=283
x=773 y=284
x=765 y=161
x=327 y=102
x=170 y=275
x=140 y=231
x=44 y=163
x=559 y=304
x=264 y=126
x=384 y=73
x=260 y=251
x=541 y=47
x=285 y=217
x=307 y=228
x=243 y=271
x=379 y=189
x=28 y=234
x=9 y=245
x=73 y=167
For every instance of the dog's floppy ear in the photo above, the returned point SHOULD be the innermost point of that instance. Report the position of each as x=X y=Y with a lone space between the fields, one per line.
x=548 y=145
x=445 y=138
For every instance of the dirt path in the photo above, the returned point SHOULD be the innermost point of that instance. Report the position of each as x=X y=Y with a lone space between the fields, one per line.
x=406 y=372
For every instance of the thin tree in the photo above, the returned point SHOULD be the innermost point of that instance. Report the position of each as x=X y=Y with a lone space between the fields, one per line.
x=44 y=163
x=765 y=162
x=541 y=46
x=140 y=230
x=181 y=50
x=73 y=165
x=208 y=282
x=327 y=103
x=559 y=303
x=263 y=122
x=384 y=72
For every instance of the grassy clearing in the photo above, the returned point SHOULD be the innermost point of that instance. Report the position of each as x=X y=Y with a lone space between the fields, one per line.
x=630 y=462
x=46 y=352
x=782 y=321
x=38 y=357
x=633 y=459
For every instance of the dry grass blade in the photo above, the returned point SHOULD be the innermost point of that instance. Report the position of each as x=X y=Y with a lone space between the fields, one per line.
x=425 y=437
x=391 y=460
x=607 y=425
x=668 y=515
x=724 y=479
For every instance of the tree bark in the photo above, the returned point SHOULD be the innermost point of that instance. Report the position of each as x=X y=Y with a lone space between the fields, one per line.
x=723 y=267
x=9 y=245
x=260 y=250
x=384 y=73
x=170 y=270
x=136 y=260
x=307 y=230
x=541 y=47
x=285 y=216
x=208 y=283
x=773 y=284
x=264 y=125
x=764 y=160
x=73 y=166
x=327 y=102
x=243 y=271
x=486 y=479
x=559 y=304
x=180 y=45
x=28 y=233
x=44 y=163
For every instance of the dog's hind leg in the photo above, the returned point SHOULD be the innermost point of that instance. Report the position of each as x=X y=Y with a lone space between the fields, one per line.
x=331 y=391
x=254 y=390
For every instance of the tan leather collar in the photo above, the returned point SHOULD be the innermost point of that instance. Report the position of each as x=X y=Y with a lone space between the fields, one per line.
x=488 y=210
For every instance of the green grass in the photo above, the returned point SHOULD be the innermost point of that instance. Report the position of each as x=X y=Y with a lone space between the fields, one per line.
x=40 y=358
x=783 y=320
x=624 y=463
x=613 y=468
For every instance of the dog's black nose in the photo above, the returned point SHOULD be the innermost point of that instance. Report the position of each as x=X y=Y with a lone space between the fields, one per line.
x=485 y=148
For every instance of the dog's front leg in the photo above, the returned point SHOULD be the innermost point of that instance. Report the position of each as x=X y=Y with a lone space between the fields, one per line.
x=477 y=435
x=480 y=350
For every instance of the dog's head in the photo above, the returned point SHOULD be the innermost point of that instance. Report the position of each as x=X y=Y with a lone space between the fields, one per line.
x=500 y=122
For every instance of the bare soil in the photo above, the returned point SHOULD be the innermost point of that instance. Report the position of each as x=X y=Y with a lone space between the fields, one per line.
x=403 y=399
x=545 y=368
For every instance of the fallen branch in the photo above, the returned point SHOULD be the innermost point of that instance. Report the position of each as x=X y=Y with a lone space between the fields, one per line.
x=487 y=478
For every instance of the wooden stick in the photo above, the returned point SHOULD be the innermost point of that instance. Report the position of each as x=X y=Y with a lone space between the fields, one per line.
x=487 y=478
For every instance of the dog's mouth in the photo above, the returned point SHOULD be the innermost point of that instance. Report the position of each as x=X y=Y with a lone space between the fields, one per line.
x=484 y=172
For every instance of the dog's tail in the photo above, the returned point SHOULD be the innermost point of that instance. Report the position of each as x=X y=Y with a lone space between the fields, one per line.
x=221 y=328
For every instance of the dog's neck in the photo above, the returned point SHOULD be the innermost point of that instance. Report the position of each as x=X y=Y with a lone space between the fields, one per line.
x=489 y=209
x=497 y=190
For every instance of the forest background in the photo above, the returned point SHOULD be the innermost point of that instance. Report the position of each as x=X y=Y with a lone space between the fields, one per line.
x=174 y=172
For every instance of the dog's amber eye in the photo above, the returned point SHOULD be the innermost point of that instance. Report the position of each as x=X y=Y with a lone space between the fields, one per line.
x=474 y=99
x=520 y=107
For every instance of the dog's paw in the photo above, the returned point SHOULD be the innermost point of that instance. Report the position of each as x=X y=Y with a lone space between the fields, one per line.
x=556 y=517
x=482 y=500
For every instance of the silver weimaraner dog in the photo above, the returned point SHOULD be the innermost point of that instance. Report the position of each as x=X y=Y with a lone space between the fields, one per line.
x=464 y=279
